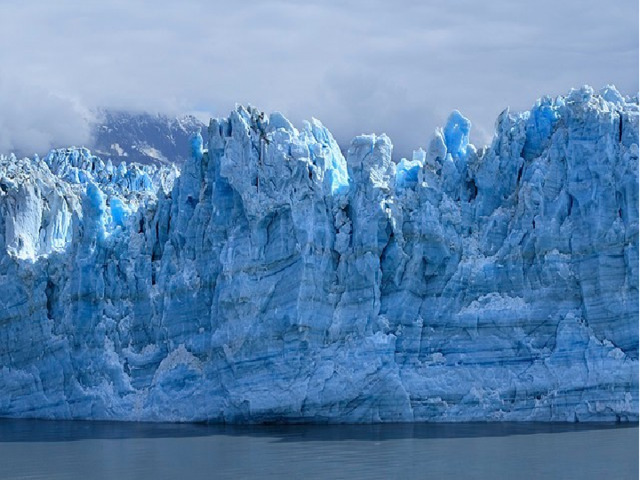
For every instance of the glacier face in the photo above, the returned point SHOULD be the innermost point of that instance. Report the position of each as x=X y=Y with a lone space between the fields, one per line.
x=273 y=279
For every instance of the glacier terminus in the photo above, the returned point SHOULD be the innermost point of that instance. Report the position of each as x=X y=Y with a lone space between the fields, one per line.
x=271 y=278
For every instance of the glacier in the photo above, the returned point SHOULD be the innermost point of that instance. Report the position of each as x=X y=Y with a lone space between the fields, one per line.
x=273 y=279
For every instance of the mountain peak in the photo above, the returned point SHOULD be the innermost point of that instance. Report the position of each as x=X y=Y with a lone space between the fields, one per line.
x=142 y=137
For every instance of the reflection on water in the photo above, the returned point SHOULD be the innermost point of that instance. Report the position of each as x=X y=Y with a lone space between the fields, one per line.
x=48 y=449
x=12 y=430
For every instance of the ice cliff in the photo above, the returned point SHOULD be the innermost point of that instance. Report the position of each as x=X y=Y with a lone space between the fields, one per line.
x=273 y=279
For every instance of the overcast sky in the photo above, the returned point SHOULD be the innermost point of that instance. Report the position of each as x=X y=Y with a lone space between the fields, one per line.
x=387 y=66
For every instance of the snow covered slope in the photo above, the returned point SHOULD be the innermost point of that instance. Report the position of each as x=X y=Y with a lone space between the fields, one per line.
x=142 y=137
x=275 y=280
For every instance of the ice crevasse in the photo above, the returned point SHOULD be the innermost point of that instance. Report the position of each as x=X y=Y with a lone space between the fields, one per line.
x=273 y=279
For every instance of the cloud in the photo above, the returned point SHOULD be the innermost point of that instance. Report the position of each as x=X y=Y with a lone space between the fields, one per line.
x=374 y=66
x=33 y=120
x=352 y=103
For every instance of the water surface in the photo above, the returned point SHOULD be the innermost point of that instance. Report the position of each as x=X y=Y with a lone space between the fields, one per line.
x=37 y=449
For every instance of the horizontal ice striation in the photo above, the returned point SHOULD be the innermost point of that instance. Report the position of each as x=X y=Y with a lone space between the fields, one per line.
x=275 y=280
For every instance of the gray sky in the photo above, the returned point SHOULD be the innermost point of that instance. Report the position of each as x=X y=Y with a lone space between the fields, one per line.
x=387 y=66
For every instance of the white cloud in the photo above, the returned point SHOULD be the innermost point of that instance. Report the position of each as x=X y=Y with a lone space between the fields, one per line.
x=32 y=119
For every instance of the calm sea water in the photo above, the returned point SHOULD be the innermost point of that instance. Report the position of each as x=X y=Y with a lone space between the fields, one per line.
x=86 y=450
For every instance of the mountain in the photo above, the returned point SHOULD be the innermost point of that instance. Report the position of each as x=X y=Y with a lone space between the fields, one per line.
x=273 y=279
x=143 y=137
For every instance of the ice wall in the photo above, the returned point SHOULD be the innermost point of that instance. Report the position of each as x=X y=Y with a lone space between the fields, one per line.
x=273 y=279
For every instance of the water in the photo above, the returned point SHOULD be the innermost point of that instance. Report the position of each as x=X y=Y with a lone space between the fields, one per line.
x=68 y=450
